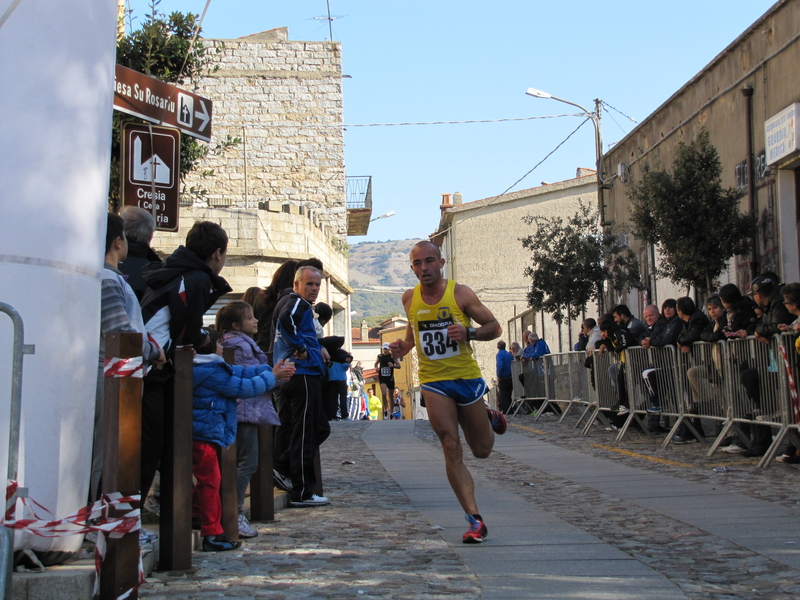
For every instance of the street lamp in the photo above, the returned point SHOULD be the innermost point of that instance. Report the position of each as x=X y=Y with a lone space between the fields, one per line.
x=383 y=216
x=598 y=140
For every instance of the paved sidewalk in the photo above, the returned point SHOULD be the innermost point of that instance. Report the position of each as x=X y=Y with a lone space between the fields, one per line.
x=602 y=520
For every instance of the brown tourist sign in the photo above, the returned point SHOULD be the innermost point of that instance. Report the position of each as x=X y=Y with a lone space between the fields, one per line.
x=151 y=171
x=153 y=100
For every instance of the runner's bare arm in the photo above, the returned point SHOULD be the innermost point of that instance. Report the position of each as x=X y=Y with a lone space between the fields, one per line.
x=401 y=347
x=471 y=306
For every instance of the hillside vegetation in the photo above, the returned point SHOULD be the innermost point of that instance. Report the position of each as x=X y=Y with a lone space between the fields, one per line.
x=379 y=274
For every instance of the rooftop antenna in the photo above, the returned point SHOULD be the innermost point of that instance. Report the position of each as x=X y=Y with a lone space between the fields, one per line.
x=330 y=19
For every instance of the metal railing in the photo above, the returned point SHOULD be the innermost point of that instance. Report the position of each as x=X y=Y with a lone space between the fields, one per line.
x=359 y=191
x=19 y=350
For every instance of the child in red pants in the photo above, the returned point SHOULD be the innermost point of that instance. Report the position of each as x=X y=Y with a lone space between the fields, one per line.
x=217 y=385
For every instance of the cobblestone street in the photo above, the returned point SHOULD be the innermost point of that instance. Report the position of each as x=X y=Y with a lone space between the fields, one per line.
x=373 y=541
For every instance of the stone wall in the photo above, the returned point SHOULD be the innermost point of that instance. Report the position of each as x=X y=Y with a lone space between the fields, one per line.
x=284 y=100
x=483 y=250
x=280 y=193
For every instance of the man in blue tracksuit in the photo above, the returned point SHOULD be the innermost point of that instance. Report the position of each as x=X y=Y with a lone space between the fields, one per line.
x=296 y=339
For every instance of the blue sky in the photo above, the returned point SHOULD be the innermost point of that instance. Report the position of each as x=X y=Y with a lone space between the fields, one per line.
x=421 y=61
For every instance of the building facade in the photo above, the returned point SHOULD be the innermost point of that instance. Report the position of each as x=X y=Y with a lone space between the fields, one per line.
x=746 y=99
x=280 y=192
x=480 y=242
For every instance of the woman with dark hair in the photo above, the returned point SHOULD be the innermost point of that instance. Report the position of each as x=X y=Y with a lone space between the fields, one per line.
x=253 y=296
x=282 y=278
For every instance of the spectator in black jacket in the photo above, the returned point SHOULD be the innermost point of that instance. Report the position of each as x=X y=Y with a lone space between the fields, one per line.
x=767 y=294
x=740 y=311
x=694 y=322
x=620 y=339
x=706 y=372
x=624 y=318
x=139 y=229
x=181 y=290
x=663 y=332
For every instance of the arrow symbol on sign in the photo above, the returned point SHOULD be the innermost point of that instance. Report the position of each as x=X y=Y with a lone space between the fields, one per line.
x=203 y=116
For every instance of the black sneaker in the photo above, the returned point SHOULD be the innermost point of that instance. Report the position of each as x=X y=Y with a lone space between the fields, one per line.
x=219 y=543
x=683 y=440
x=281 y=481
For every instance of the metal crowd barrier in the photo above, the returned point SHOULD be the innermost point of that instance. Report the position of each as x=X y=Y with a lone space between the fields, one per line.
x=603 y=397
x=653 y=378
x=706 y=385
x=566 y=382
x=754 y=388
x=529 y=391
x=740 y=384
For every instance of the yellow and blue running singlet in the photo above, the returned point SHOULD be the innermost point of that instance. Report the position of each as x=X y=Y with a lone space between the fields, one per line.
x=440 y=358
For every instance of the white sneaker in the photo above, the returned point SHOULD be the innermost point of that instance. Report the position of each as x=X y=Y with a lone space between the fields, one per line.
x=622 y=410
x=152 y=505
x=147 y=538
x=734 y=449
x=314 y=500
x=245 y=529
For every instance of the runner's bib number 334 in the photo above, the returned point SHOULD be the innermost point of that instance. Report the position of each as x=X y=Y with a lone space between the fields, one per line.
x=435 y=342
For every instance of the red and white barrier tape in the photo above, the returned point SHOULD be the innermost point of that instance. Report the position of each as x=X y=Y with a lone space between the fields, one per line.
x=45 y=524
x=792 y=386
x=124 y=367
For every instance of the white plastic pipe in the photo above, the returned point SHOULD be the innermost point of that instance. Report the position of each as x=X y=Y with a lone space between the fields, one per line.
x=56 y=92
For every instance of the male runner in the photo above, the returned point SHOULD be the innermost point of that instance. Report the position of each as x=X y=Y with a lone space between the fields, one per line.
x=439 y=313
x=385 y=365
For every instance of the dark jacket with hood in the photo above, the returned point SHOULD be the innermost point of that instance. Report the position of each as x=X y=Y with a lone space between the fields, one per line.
x=295 y=332
x=742 y=315
x=181 y=290
x=665 y=331
x=711 y=336
x=693 y=328
x=774 y=313
x=139 y=256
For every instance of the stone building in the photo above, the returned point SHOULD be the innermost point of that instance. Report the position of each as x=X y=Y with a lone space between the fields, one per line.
x=281 y=192
x=746 y=98
x=480 y=241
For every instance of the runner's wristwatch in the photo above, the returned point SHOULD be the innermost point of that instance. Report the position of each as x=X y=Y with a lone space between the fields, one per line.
x=472 y=334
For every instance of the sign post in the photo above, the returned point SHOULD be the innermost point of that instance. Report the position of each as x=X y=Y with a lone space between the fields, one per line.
x=150 y=172
x=153 y=100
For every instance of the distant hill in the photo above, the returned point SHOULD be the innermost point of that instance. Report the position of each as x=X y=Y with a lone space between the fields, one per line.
x=379 y=272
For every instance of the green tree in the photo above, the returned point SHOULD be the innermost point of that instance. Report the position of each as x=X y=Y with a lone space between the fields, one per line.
x=694 y=221
x=573 y=261
x=164 y=47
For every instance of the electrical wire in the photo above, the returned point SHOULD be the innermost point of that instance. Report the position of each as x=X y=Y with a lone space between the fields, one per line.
x=493 y=199
x=607 y=105
x=463 y=122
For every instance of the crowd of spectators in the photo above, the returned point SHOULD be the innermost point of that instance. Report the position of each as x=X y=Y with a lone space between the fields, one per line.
x=280 y=325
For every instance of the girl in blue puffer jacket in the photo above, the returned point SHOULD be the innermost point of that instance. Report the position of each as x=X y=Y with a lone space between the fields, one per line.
x=217 y=385
x=237 y=323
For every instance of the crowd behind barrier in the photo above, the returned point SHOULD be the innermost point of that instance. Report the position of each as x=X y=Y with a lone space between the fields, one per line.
x=713 y=382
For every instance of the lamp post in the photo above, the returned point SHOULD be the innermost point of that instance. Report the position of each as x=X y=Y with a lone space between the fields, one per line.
x=383 y=216
x=598 y=141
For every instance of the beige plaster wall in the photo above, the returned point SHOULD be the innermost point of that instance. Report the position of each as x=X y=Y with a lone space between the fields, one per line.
x=484 y=252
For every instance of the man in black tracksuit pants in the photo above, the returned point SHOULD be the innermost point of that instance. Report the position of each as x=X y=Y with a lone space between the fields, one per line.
x=296 y=339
